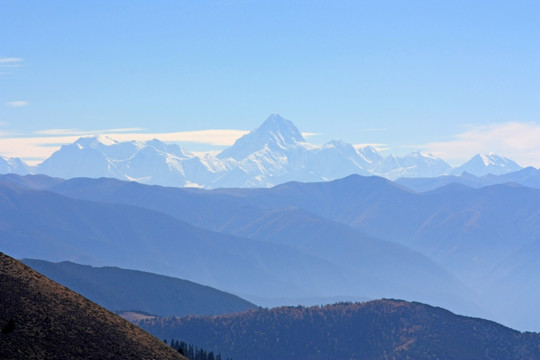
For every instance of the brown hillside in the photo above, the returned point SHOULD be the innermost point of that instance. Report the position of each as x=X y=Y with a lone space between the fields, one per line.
x=40 y=319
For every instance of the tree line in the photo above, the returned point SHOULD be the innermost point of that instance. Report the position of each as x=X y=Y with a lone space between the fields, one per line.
x=194 y=352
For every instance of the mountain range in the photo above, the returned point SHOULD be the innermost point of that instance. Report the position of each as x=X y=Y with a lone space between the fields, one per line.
x=49 y=226
x=529 y=177
x=482 y=236
x=274 y=153
x=311 y=243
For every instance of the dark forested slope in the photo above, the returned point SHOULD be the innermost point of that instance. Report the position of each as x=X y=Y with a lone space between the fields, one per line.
x=383 y=329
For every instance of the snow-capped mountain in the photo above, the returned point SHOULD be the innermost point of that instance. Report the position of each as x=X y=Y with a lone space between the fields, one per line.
x=414 y=164
x=266 y=156
x=276 y=152
x=88 y=156
x=481 y=165
x=337 y=159
x=13 y=165
x=275 y=134
x=273 y=153
x=151 y=162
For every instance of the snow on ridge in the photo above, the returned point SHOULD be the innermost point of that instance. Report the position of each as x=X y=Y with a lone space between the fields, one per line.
x=105 y=140
x=96 y=140
x=486 y=160
x=142 y=180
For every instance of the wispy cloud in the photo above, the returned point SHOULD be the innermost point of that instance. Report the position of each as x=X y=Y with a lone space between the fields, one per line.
x=309 y=134
x=10 y=61
x=218 y=137
x=18 y=103
x=516 y=140
x=77 y=132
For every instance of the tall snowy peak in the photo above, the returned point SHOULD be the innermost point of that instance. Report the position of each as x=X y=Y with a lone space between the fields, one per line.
x=275 y=133
x=483 y=164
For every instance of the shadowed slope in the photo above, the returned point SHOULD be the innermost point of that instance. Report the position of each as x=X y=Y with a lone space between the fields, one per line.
x=121 y=289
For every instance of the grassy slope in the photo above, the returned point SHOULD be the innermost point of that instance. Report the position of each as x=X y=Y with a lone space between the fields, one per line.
x=51 y=321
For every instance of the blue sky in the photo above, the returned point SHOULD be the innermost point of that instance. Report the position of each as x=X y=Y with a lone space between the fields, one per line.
x=452 y=78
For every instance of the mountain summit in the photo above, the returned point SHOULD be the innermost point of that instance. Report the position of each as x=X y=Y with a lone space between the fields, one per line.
x=491 y=163
x=275 y=133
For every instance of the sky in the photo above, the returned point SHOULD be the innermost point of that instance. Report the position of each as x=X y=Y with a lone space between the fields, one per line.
x=451 y=78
